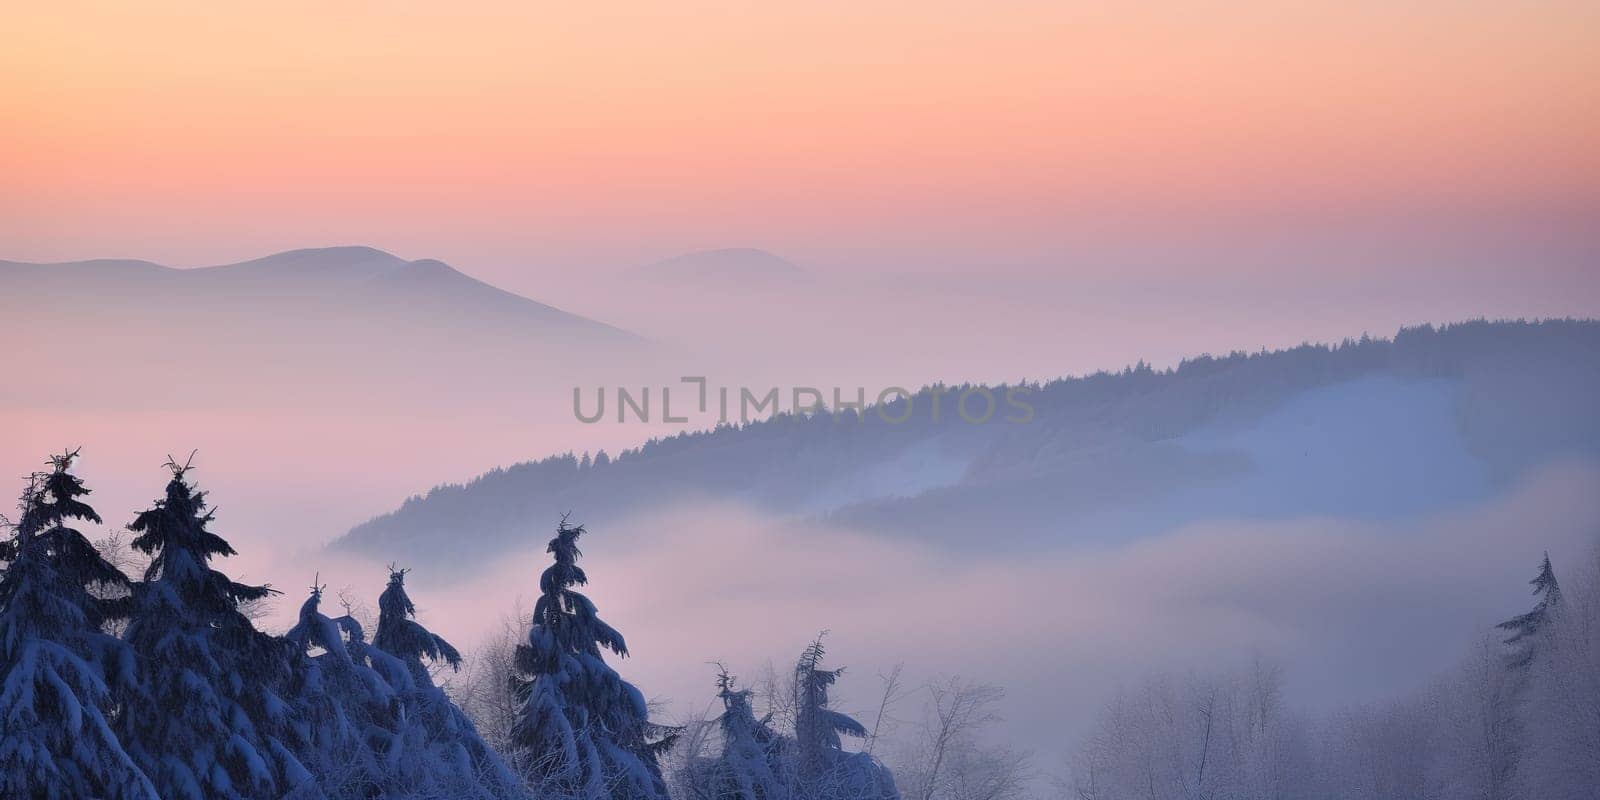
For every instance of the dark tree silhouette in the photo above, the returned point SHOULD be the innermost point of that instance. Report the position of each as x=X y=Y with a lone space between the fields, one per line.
x=1525 y=628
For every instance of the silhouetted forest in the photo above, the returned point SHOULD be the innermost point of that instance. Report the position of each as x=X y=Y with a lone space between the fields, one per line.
x=1113 y=455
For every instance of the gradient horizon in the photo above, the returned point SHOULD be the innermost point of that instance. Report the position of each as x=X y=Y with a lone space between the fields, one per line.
x=519 y=141
x=984 y=192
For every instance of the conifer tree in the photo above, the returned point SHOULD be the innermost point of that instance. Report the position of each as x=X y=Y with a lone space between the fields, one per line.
x=396 y=739
x=824 y=770
x=56 y=740
x=818 y=727
x=583 y=730
x=437 y=749
x=1525 y=628
x=751 y=765
x=400 y=635
x=210 y=722
x=346 y=709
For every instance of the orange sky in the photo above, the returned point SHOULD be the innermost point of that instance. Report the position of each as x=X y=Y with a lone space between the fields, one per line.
x=195 y=133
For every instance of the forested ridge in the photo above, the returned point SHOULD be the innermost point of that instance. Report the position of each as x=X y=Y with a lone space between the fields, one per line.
x=135 y=666
x=1524 y=392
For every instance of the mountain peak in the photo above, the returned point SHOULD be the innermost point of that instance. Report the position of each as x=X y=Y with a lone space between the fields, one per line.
x=355 y=279
x=354 y=260
x=337 y=253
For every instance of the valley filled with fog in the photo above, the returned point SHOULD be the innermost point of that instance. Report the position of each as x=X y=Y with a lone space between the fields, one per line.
x=1181 y=500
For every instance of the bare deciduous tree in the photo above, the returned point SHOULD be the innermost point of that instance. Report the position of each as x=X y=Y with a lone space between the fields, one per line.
x=883 y=722
x=486 y=692
x=950 y=760
x=1200 y=738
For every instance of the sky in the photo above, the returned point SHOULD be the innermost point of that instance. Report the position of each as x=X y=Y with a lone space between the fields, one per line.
x=525 y=142
x=982 y=191
x=1032 y=189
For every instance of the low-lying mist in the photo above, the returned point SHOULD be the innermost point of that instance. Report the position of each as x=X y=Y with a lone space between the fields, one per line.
x=1354 y=611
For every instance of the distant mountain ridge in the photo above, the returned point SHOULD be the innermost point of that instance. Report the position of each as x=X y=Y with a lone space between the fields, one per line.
x=351 y=274
x=320 y=331
x=1373 y=428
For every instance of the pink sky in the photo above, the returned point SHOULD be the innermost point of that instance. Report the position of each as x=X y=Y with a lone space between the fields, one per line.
x=987 y=191
x=513 y=139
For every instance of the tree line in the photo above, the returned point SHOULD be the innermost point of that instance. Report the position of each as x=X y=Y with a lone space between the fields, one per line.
x=161 y=687
x=1528 y=385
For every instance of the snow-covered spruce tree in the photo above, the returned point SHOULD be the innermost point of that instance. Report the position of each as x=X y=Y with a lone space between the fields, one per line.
x=1525 y=628
x=583 y=731
x=1561 y=703
x=210 y=721
x=56 y=740
x=824 y=770
x=752 y=763
x=435 y=750
x=1484 y=743
x=346 y=709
